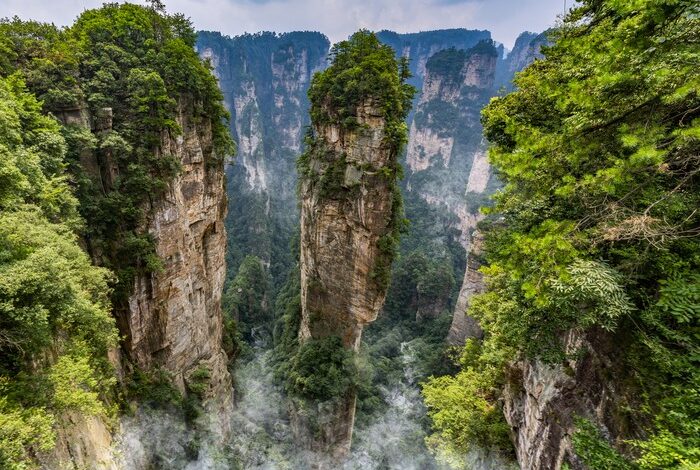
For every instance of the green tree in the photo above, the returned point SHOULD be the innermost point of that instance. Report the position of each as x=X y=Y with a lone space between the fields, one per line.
x=246 y=301
x=598 y=149
x=139 y=62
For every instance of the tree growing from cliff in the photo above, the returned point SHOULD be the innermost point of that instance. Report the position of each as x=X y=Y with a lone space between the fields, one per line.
x=598 y=149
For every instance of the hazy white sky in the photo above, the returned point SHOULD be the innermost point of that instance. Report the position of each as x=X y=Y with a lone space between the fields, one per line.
x=336 y=18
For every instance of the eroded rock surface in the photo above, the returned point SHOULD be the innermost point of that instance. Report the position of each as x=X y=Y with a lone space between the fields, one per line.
x=342 y=223
x=175 y=319
x=541 y=402
x=340 y=234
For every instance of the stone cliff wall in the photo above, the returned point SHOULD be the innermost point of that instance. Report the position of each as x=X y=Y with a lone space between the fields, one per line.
x=175 y=320
x=341 y=250
x=264 y=78
x=464 y=326
x=340 y=235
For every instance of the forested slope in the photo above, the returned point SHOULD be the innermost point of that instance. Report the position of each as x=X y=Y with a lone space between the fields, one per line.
x=593 y=252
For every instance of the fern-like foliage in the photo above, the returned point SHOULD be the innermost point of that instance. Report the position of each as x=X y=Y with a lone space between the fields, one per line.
x=594 y=289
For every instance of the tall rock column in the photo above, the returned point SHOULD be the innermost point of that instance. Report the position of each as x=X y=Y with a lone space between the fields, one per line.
x=350 y=219
x=175 y=319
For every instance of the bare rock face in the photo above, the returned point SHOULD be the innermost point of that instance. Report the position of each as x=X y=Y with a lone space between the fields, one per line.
x=526 y=49
x=541 y=402
x=446 y=154
x=81 y=442
x=175 y=319
x=340 y=235
x=463 y=325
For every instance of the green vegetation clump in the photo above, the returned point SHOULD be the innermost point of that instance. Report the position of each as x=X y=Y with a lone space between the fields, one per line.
x=153 y=388
x=464 y=409
x=362 y=71
x=321 y=369
x=594 y=450
x=599 y=234
x=246 y=306
x=55 y=322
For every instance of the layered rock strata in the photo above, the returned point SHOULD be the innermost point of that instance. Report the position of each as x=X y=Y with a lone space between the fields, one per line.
x=542 y=401
x=174 y=317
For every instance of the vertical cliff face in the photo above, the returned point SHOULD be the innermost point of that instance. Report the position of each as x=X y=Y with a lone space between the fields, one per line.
x=264 y=78
x=342 y=223
x=174 y=318
x=419 y=47
x=542 y=401
x=350 y=220
x=463 y=325
x=525 y=50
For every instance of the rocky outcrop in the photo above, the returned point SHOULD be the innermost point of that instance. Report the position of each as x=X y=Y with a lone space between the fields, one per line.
x=346 y=210
x=82 y=442
x=446 y=154
x=463 y=325
x=172 y=320
x=264 y=78
x=541 y=401
x=340 y=234
x=527 y=49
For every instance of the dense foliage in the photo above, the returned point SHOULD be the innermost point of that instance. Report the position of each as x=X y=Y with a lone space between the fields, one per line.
x=321 y=369
x=55 y=323
x=246 y=304
x=598 y=148
x=362 y=70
